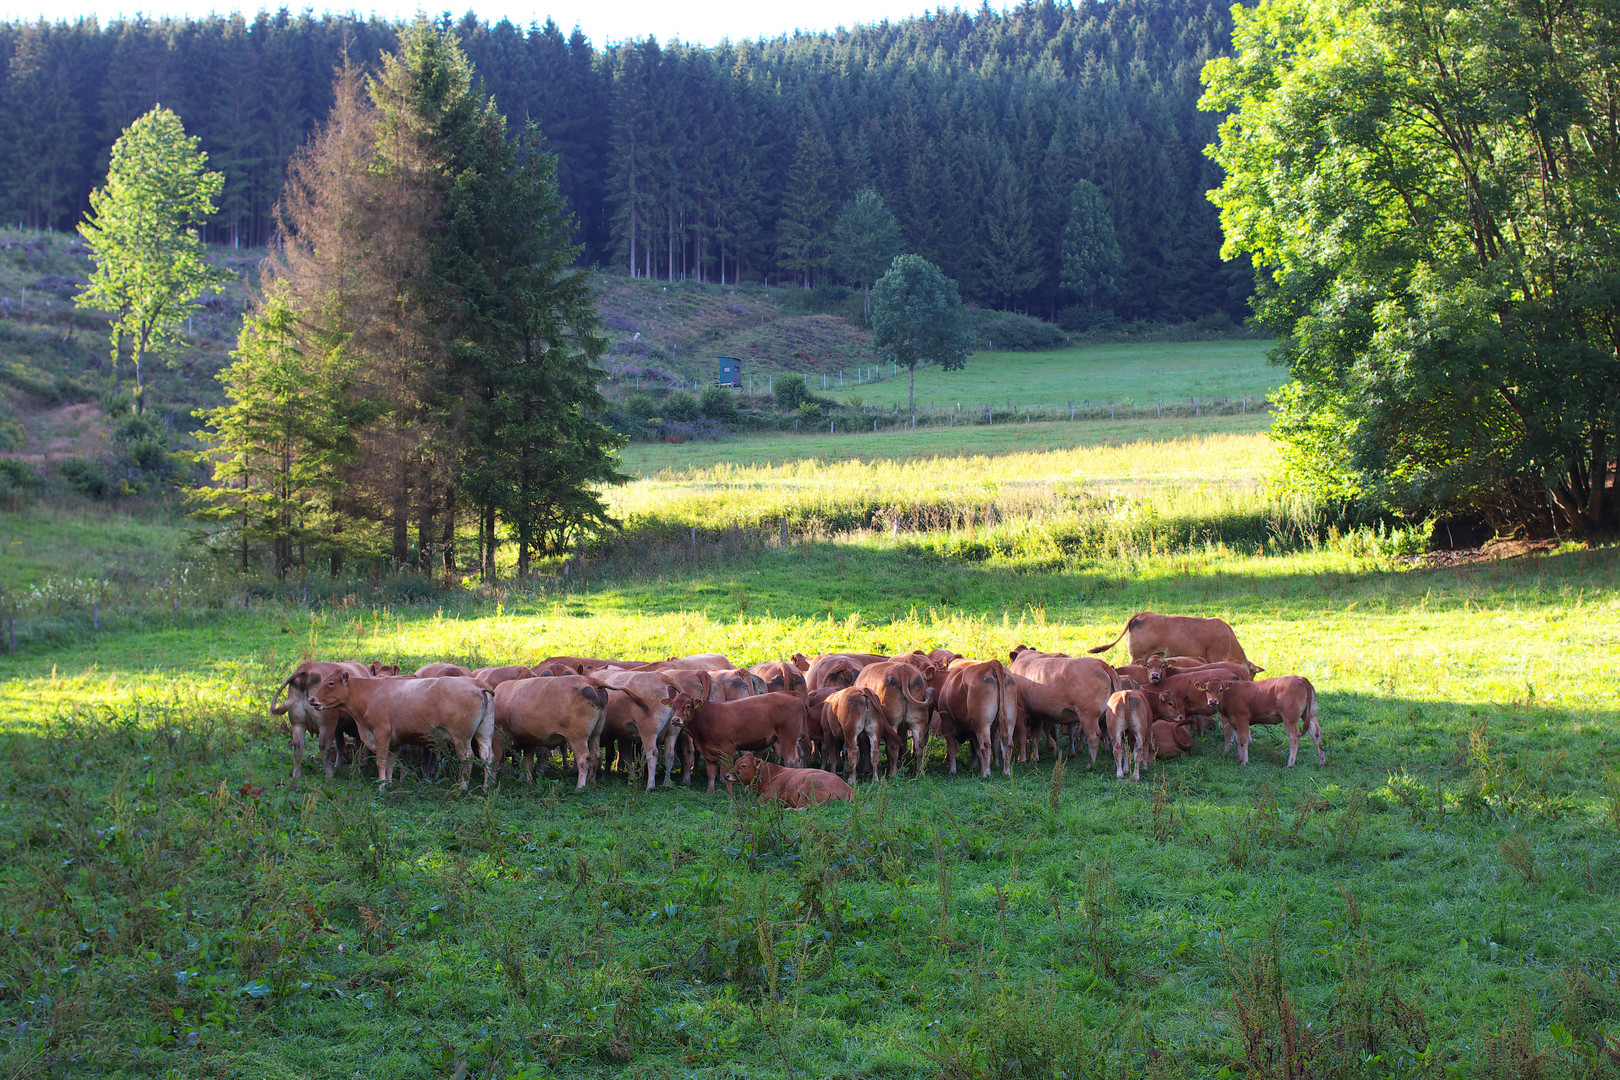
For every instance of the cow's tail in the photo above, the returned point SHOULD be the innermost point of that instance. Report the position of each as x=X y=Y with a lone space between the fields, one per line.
x=277 y=706
x=1111 y=644
x=1313 y=720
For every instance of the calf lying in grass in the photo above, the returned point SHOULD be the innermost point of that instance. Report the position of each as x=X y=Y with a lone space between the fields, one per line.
x=797 y=788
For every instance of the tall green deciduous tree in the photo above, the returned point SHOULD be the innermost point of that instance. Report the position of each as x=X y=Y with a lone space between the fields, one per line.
x=918 y=317
x=1431 y=189
x=142 y=232
x=865 y=240
x=1092 y=265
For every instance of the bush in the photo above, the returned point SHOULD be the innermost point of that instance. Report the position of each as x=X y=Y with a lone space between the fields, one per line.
x=641 y=406
x=680 y=406
x=86 y=477
x=1008 y=331
x=718 y=403
x=791 y=394
x=144 y=444
x=1083 y=320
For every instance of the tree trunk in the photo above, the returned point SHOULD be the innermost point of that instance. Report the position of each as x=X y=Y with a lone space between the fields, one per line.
x=424 y=522
x=523 y=550
x=447 y=539
x=912 y=399
x=400 y=516
x=140 y=385
x=1599 y=466
x=486 y=530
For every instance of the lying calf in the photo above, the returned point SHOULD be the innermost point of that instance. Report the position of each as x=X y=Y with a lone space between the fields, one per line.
x=797 y=788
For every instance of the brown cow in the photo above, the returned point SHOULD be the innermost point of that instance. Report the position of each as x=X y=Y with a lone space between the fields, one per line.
x=390 y=712
x=979 y=701
x=1130 y=727
x=828 y=670
x=709 y=661
x=1065 y=691
x=907 y=699
x=1148 y=632
x=781 y=676
x=651 y=687
x=439 y=671
x=494 y=676
x=1183 y=697
x=302 y=715
x=1135 y=672
x=1159 y=669
x=943 y=658
x=1171 y=739
x=797 y=788
x=733 y=683
x=556 y=667
x=540 y=714
x=1288 y=700
x=721 y=728
x=848 y=714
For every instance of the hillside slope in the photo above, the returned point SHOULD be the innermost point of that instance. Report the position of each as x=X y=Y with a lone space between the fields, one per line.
x=662 y=331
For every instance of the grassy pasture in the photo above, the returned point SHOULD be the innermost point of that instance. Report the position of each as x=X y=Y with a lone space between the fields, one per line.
x=1439 y=900
x=1139 y=373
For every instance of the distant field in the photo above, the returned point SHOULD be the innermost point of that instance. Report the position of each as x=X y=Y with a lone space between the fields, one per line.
x=1016 y=437
x=1143 y=374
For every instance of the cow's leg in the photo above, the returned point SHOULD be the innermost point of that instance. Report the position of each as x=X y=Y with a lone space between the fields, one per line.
x=1291 y=725
x=650 y=748
x=582 y=762
x=952 y=746
x=983 y=751
x=297 y=751
x=891 y=748
x=1230 y=730
x=464 y=755
x=713 y=765
x=688 y=758
x=1243 y=734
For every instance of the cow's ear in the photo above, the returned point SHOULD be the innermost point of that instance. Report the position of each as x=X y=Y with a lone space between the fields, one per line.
x=1200 y=686
x=345 y=675
x=667 y=703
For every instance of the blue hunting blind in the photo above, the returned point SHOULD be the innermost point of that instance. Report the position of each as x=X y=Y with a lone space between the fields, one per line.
x=730 y=371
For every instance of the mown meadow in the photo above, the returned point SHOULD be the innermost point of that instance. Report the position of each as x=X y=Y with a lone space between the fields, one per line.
x=1439 y=900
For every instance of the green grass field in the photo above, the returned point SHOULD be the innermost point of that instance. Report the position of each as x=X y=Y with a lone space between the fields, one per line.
x=1143 y=374
x=1439 y=900
x=649 y=459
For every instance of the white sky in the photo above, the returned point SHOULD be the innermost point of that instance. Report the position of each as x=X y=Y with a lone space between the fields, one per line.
x=603 y=21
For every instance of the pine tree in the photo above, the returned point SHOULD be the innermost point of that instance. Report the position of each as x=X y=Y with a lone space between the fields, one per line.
x=1091 y=260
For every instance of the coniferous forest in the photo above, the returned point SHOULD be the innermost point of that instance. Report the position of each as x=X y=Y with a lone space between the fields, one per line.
x=720 y=164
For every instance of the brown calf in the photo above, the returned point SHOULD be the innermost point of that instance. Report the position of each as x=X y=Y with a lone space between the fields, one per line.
x=907 y=700
x=797 y=788
x=1148 y=632
x=1288 y=700
x=391 y=712
x=848 y=714
x=721 y=728
x=439 y=671
x=1130 y=727
x=979 y=701
x=1065 y=691
x=541 y=714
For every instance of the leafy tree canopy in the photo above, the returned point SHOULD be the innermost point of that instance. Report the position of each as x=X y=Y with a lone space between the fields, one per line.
x=918 y=317
x=142 y=234
x=1429 y=190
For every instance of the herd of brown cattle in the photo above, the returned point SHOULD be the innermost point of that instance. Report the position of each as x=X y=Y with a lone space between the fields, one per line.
x=837 y=710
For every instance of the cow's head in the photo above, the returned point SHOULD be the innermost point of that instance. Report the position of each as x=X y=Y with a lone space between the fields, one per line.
x=801 y=661
x=1212 y=692
x=1170 y=703
x=1017 y=651
x=1156 y=669
x=379 y=669
x=744 y=768
x=679 y=703
x=333 y=690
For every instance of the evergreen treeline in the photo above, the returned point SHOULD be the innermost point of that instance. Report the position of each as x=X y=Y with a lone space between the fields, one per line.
x=717 y=163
